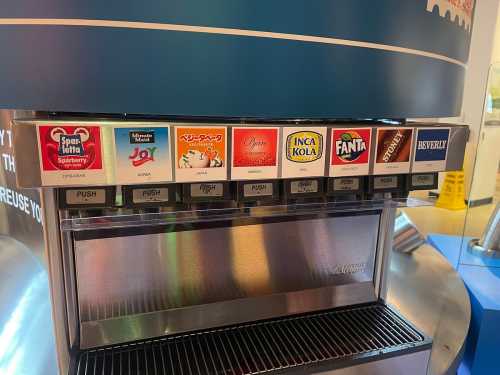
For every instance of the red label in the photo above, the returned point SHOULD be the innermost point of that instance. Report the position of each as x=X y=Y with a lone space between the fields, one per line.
x=70 y=147
x=350 y=146
x=255 y=147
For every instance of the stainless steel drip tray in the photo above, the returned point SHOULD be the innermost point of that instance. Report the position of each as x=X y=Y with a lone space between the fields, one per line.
x=331 y=341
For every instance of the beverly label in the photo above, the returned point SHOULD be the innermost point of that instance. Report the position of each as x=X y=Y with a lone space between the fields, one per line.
x=142 y=154
x=350 y=152
x=254 y=153
x=200 y=153
x=431 y=149
x=70 y=155
x=394 y=146
x=303 y=152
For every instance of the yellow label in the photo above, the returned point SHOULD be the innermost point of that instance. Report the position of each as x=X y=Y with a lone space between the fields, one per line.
x=304 y=146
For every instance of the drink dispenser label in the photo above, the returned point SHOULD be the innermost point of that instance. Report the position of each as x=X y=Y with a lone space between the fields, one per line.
x=70 y=155
x=393 y=150
x=350 y=152
x=303 y=153
x=431 y=150
x=254 y=153
x=142 y=154
x=200 y=153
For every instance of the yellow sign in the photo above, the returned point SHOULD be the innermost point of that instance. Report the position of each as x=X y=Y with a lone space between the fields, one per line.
x=452 y=194
x=304 y=146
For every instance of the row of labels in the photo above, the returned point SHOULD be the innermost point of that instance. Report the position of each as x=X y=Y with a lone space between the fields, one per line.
x=246 y=191
x=77 y=155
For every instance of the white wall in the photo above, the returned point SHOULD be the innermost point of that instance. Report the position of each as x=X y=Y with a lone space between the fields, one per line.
x=481 y=56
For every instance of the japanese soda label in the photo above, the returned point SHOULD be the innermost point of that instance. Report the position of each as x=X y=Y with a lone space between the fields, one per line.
x=350 y=152
x=200 y=153
x=303 y=153
x=393 y=150
x=70 y=155
x=142 y=154
x=431 y=149
x=254 y=153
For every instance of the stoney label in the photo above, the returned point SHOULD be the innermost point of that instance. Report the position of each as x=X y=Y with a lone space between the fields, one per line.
x=350 y=152
x=150 y=195
x=431 y=149
x=142 y=154
x=70 y=154
x=303 y=152
x=346 y=184
x=254 y=153
x=304 y=186
x=200 y=153
x=256 y=190
x=393 y=150
x=85 y=196
x=207 y=190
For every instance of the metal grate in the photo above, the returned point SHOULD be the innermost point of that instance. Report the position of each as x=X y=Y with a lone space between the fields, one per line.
x=259 y=347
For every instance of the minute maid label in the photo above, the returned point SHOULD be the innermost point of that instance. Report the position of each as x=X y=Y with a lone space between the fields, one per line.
x=303 y=153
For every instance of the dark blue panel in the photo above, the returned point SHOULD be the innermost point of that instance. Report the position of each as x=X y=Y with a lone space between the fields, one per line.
x=404 y=23
x=116 y=70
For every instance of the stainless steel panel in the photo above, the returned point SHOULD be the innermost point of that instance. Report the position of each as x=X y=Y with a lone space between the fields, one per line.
x=27 y=156
x=428 y=291
x=27 y=344
x=304 y=344
x=56 y=279
x=160 y=323
x=459 y=135
x=123 y=276
x=409 y=364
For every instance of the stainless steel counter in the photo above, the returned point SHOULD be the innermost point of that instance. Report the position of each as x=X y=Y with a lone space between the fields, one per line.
x=422 y=286
x=27 y=344
x=426 y=289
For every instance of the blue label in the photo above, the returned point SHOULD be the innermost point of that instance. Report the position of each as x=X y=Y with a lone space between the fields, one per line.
x=432 y=144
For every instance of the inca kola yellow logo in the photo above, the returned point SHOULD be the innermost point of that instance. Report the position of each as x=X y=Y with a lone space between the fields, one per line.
x=304 y=146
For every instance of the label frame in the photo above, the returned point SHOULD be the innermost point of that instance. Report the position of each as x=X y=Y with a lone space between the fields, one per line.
x=186 y=175
x=255 y=172
x=315 y=168
x=165 y=166
x=392 y=167
x=349 y=169
x=60 y=177
x=429 y=165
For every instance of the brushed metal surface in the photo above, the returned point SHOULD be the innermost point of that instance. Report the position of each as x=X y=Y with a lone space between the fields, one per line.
x=27 y=344
x=459 y=135
x=409 y=364
x=124 y=276
x=427 y=291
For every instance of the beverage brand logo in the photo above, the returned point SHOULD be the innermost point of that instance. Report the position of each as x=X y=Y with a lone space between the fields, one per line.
x=304 y=147
x=350 y=146
x=255 y=147
x=141 y=156
x=70 y=147
x=432 y=145
x=142 y=137
x=394 y=145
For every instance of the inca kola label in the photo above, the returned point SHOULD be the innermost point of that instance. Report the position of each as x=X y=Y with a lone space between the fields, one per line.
x=303 y=153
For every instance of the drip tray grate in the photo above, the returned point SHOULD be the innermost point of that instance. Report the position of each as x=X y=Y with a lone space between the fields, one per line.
x=333 y=337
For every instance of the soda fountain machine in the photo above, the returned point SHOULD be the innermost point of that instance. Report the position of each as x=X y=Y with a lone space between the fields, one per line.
x=193 y=248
